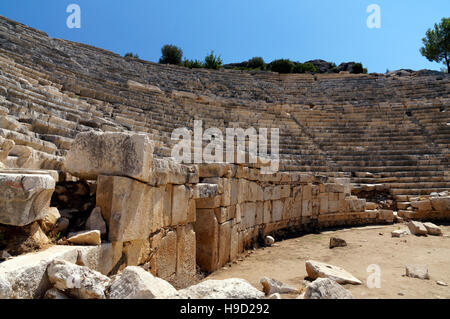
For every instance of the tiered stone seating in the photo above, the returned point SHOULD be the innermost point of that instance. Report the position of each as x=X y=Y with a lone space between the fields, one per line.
x=394 y=127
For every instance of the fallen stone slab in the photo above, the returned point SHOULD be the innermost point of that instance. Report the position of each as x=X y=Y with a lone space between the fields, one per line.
x=89 y=238
x=441 y=204
x=27 y=274
x=399 y=233
x=432 y=229
x=326 y=288
x=417 y=228
x=136 y=283
x=50 y=219
x=55 y=294
x=441 y=283
x=80 y=281
x=111 y=153
x=24 y=198
x=316 y=269
x=417 y=271
x=272 y=286
x=233 y=288
x=337 y=242
x=274 y=296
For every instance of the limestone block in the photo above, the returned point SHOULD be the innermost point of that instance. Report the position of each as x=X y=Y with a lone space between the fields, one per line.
x=306 y=208
x=205 y=190
x=119 y=154
x=89 y=238
x=224 y=214
x=166 y=171
x=297 y=193
x=267 y=217
x=441 y=204
x=248 y=215
x=213 y=170
x=323 y=198
x=166 y=257
x=333 y=206
x=307 y=192
x=224 y=242
x=96 y=221
x=186 y=255
x=297 y=209
x=277 y=210
x=137 y=252
x=127 y=206
x=422 y=206
x=207 y=239
x=191 y=211
x=234 y=191
x=210 y=202
x=51 y=217
x=287 y=209
x=180 y=204
x=226 y=195
x=243 y=191
x=234 y=244
x=24 y=198
x=317 y=269
x=215 y=180
x=259 y=213
x=239 y=211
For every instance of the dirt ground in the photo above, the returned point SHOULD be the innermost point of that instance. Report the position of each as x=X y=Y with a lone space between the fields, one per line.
x=365 y=246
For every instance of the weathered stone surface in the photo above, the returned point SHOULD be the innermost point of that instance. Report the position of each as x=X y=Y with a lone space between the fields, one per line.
x=274 y=296
x=204 y=190
x=272 y=286
x=207 y=239
x=27 y=273
x=166 y=171
x=417 y=271
x=186 y=255
x=180 y=204
x=136 y=283
x=317 y=269
x=432 y=229
x=55 y=294
x=51 y=217
x=79 y=281
x=24 y=198
x=337 y=242
x=5 y=288
x=326 y=288
x=91 y=237
x=96 y=221
x=126 y=205
x=232 y=288
x=166 y=257
x=417 y=228
x=441 y=204
x=119 y=154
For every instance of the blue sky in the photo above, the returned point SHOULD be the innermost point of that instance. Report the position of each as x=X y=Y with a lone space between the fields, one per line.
x=301 y=30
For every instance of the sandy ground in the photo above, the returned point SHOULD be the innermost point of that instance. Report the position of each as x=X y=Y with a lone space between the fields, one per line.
x=366 y=246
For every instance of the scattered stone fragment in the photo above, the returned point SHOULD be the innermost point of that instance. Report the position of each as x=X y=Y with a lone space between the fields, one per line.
x=317 y=269
x=51 y=217
x=232 y=288
x=442 y=283
x=80 y=281
x=326 y=288
x=61 y=225
x=274 y=296
x=4 y=255
x=432 y=229
x=96 y=221
x=55 y=294
x=399 y=233
x=417 y=271
x=271 y=286
x=337 y=242
x=417 y=228
x=5 y=288
x=136 y=283
x=269 y=240
x=89 y=238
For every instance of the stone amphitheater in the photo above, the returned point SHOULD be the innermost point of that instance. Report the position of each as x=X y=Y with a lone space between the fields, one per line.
x=87 y=178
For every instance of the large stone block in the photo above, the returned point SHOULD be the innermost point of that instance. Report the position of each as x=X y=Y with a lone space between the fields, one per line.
x=166 y=257
x=186 y=255
x=111 y=153
x=248 y=215
x=24 y=198
x=180 y=204
x=166 y=171
x=441 y=204
x=224 y=242
x=207 y=239
x=277 y=210
x=162 y=206
x=234 y=244
x=127 y=206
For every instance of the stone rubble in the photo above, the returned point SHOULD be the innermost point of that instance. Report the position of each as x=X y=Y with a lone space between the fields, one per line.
x=317 y=269
x=326 y=288
x=272 y=286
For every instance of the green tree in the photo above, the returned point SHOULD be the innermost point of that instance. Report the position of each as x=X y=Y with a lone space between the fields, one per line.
x=213 y=61
x=437 y=43
x=131 y=55
x=171 y=54
x=256 y=63
x=282 y=66
x=193 y=64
